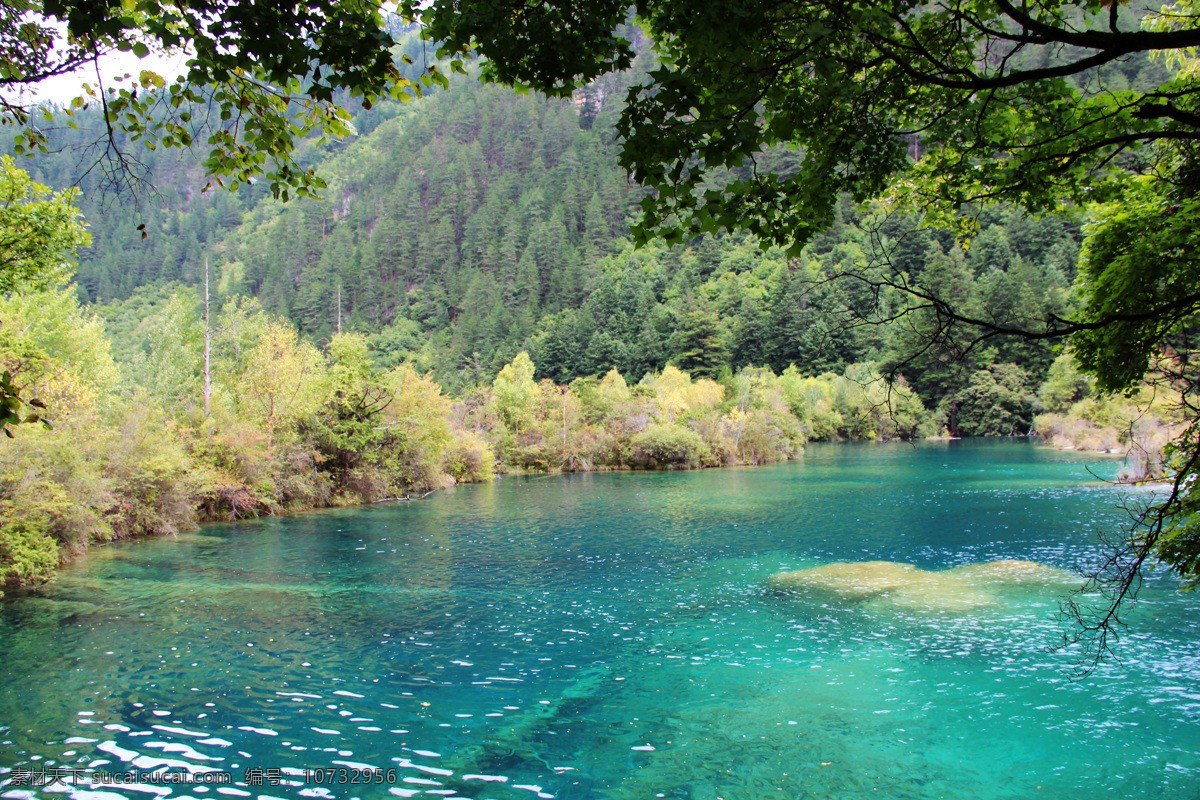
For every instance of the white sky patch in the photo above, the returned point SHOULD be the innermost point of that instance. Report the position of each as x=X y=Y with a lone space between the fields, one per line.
x=61 y=89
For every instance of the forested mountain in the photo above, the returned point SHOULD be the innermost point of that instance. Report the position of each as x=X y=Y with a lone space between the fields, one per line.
x=471 y=225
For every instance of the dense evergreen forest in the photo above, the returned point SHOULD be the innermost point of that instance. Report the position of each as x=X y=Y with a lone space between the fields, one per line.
x=465 y=298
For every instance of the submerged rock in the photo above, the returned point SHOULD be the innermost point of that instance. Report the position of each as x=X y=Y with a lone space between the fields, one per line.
x=849 y=581
x=905 y=587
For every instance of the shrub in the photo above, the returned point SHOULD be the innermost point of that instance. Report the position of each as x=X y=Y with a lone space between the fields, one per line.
x=770 y=435
x=1141 y=425
x=368 y=483
x=603 y=449
x=668 y=446
x=54 y=477
x=150 y=476
x=223 y=499
x=719 y=435
x=28 y=555
x=297 y=479
x=468 y=458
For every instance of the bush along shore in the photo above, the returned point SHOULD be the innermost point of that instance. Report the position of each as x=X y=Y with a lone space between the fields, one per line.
x=1137 y=425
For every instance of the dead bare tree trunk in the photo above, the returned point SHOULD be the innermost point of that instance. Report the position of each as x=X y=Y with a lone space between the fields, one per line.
x=207 y=348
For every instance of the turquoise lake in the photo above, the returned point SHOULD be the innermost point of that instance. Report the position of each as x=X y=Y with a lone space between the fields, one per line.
x=611 y=636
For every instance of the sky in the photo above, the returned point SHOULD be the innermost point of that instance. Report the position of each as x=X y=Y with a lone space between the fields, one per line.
x=62 y=89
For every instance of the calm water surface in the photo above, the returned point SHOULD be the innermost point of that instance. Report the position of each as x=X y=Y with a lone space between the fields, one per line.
x=609 y=636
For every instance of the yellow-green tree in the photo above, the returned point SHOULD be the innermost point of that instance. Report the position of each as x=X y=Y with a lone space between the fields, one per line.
x=39 y=234
x=515 y=394
x=418 y=417
x=676 y=395
x=55 y=350
x=40 y=231
x=283 y=379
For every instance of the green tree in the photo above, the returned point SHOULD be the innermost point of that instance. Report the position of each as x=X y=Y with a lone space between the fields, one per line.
x=346 y=427
x=696 y=345
x=56 y=354
x=1064 y=385
x=171 y=366
x=996 y=402
x=516 y=395
x=923 y=345
x=39 y=234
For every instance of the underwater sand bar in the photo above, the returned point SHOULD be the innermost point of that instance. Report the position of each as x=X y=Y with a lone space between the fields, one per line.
x=905 y=586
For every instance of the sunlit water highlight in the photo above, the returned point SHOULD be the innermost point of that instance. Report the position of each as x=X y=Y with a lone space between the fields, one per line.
x=610 y=636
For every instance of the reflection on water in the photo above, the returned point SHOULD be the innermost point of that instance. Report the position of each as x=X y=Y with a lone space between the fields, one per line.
x=608 y=636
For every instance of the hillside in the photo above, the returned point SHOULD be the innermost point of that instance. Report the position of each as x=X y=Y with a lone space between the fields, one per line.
x=462 y=229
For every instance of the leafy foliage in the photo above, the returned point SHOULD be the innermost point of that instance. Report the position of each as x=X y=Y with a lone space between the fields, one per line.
x=668 y=446
x=281 y=378
x=852 y=87
x=998 y=403
x=27 y=554
x=1139 y=271
x=39 y=232
x=259 y=78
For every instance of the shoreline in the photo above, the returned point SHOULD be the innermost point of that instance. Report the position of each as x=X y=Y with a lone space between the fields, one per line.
x=24 y=591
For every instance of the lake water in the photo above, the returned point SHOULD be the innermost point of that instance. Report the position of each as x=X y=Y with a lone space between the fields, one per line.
x=610 y=636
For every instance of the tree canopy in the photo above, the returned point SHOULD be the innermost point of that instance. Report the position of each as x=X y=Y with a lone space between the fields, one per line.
x=966 y=100
x=39 y=233
x=259 y=76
